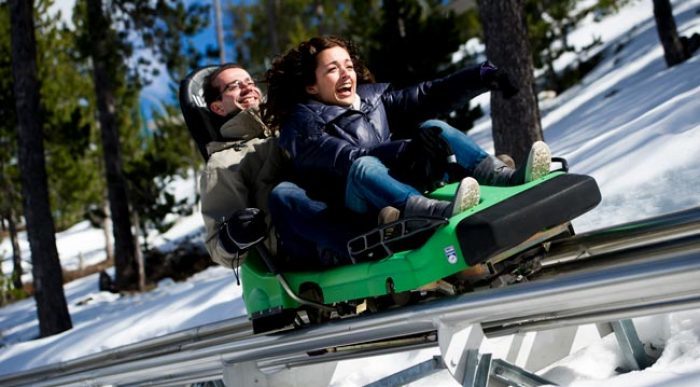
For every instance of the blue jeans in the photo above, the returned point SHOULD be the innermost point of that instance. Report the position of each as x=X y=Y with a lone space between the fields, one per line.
x=468 y=153
x=370 y=187
x=306 y=230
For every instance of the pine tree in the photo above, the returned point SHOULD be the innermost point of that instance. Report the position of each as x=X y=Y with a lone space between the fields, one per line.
x=46 y=269
x=74 y=183
x=516 y=122
x=413 y=41
x=10 y=200
x=9 y=214
x=69 y=124
x=102 y=41
x=110 y=28
x=262 y=30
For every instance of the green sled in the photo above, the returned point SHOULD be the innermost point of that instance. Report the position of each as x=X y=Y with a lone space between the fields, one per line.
x=507 y=222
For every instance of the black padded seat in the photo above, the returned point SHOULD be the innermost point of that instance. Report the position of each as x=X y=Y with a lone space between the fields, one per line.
x=202 y=123
x=511 y=222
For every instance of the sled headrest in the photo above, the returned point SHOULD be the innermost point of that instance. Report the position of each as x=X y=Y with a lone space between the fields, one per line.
x=201 y=122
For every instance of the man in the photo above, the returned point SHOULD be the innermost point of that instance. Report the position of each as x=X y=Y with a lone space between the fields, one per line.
x=242 y=170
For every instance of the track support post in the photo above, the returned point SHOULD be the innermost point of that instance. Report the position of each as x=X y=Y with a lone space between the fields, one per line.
x=465 y=352
x=511 y=375
x=411 y=374
x=632 y=348
x=477 y=368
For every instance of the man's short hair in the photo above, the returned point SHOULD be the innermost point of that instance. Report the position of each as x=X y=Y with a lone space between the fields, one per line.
x=211 y=92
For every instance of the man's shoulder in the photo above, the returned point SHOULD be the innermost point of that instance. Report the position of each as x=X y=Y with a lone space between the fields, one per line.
x=236 y=151
x=243 y=126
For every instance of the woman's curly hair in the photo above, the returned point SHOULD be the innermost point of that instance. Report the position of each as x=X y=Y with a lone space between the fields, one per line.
x=292 y=72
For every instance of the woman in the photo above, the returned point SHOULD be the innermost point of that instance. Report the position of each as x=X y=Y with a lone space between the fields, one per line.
x=337 y=126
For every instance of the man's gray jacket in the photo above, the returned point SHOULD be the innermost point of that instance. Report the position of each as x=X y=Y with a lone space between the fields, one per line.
x=239 y=174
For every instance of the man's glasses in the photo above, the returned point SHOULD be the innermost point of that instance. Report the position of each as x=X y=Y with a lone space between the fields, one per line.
x=236 y=85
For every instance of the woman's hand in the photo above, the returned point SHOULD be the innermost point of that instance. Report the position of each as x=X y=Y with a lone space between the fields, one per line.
x=425 y=160
x=497 y=79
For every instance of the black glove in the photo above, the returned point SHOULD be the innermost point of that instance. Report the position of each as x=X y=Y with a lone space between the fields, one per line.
x=429 y=141
x=243 y=229
x=497 y=79
x=424 y=162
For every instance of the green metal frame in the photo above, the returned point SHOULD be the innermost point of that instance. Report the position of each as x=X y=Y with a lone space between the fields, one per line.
x=408 y=270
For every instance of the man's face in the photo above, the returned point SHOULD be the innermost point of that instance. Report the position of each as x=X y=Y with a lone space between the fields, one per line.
x=238 y=92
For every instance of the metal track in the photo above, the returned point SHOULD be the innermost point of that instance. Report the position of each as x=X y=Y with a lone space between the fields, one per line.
x=628 y=236
x=635 y=269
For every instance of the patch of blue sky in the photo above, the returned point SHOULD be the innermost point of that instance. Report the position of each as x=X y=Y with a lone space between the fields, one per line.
x=160 y=91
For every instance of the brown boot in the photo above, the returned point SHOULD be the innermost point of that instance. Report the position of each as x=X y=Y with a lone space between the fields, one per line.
x=507 y=160
x=494 y=171
x=388 y=215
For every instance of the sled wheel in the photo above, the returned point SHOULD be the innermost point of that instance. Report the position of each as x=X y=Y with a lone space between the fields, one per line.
x=400 y=298
x=312 y=292
x=274 y=320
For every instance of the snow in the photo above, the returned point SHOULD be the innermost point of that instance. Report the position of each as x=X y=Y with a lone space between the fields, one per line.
x=633 y=124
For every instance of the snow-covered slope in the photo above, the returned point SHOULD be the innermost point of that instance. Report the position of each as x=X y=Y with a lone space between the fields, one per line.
x=632 y=123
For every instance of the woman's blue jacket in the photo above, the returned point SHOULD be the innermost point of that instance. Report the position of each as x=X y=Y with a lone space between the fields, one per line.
x=324 y=140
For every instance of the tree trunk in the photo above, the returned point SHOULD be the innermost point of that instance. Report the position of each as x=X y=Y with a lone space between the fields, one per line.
x=124 y=248
x=668 y=34
x=46 y=268
x=271 y=11
x=516 y=121
x=9 y=214
x=16 y=252
x=139 y=255
x=107 y=229
x=219 y=31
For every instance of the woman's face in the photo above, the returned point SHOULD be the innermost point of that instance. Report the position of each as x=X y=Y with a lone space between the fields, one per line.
x=336 y=80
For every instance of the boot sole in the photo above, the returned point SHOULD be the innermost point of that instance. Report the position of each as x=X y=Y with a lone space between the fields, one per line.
x=467 y=195
x=388 y=215
x=538 y=161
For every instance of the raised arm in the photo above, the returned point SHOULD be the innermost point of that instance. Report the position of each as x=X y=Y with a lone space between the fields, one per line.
x=428 y=99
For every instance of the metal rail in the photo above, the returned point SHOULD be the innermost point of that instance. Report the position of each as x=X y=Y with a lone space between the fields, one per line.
x=206 y=335
x=626 y=236
x=662 y=278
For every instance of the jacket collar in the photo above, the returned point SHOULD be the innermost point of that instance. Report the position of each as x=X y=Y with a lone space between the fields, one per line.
x=244 y=125
x=369 y=97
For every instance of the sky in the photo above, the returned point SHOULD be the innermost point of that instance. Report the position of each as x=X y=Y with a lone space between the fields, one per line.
x=632 y=124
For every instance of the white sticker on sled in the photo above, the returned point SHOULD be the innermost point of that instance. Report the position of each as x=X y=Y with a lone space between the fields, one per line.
x=451 y=254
